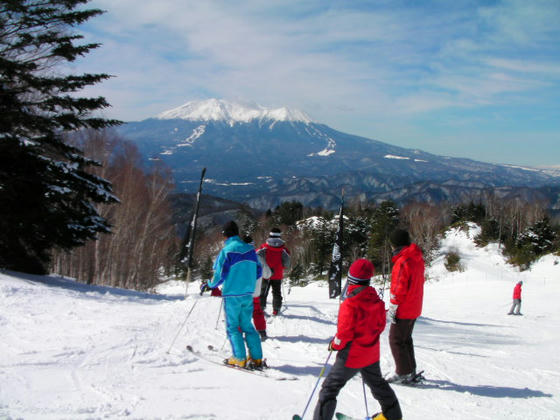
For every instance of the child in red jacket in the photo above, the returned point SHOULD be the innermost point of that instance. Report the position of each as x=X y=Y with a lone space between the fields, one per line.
x=361 y=320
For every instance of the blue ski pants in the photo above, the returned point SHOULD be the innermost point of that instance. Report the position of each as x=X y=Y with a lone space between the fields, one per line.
x=239 y=321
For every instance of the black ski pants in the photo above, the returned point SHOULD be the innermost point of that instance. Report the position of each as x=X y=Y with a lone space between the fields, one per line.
x=402 y=346
x=276 y=286
x=371 y=375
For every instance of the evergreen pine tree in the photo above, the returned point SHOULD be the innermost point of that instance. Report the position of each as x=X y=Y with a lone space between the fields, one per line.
x=384 y=219
x=468 y=213
x=539 y=238
x=297 y=273
x=322 y=242
x=490 y=231
x=288 y=213
x=47 y=196
x=206 y=269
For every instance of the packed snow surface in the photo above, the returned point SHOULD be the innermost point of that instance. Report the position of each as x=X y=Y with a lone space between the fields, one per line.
x=231 y=112
x=71 y=351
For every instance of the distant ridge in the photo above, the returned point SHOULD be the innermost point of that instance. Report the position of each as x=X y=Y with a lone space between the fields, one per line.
x=231 y=112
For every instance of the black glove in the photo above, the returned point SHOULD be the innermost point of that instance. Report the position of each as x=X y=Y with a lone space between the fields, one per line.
x=331 y=348
x=204 y=287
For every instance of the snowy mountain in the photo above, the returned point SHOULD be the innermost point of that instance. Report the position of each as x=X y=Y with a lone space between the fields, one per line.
x=73 y=351
x=264 y=156
x=231 y=112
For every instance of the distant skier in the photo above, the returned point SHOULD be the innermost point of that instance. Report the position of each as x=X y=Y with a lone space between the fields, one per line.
x=277 y=256
x=407 y=293
x=258 y=314
x=238 y=269
x=516 y=306
x=361 y=320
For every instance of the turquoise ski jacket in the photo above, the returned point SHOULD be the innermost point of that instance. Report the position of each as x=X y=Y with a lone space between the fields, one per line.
x=237 y=268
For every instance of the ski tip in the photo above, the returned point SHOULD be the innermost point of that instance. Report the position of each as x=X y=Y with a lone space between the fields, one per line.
x=189 y=348
x=340 y=416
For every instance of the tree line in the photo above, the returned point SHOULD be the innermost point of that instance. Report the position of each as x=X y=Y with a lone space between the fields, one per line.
x=524 y=231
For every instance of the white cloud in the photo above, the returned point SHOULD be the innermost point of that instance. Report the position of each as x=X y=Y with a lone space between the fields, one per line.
x=543 y=68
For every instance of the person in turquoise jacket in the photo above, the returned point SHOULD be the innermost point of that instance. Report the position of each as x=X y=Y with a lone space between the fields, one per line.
x=237 y=269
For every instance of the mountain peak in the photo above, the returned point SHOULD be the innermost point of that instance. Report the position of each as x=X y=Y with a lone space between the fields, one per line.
x=231 y=112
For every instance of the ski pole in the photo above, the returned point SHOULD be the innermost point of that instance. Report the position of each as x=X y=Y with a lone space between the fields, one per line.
x=224 y=343
x=383 y=286
x=182 y=325
x=266 y=291
x=365 y=396
x=219 y=313
x=316 y=384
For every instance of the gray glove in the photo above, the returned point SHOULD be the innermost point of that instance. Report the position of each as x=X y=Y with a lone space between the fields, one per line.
x=392 y=313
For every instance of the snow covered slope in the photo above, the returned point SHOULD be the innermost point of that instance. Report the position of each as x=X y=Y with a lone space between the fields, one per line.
x=71 y=351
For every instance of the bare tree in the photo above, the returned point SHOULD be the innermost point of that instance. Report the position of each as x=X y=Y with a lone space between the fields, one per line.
x=142 y=242
x=425 y=221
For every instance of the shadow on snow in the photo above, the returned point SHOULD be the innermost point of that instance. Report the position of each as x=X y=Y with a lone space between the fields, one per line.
x=485 y=390
x=423 y=319
x=302 y=339
x=72 y=285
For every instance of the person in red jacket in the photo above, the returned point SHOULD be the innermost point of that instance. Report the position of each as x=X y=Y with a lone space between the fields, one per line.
x=361 y=320
x=516 y=307
x=407 y=293
x=277 y=257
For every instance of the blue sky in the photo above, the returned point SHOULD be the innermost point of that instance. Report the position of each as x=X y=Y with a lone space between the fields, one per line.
x=476 y=79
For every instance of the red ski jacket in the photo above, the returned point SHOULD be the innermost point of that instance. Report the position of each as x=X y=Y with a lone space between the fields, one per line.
x=361 y=320
x=517 y=291
x=407 y=282
x=276 y=257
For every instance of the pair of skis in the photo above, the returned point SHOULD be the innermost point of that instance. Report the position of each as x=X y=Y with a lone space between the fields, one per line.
x=269 y=373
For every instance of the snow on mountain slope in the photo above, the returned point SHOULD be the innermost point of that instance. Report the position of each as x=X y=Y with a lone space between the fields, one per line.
x=231 y=112
x=73 y=351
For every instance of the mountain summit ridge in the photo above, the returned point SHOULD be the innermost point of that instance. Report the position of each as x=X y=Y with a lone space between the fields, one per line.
x=231 y=112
